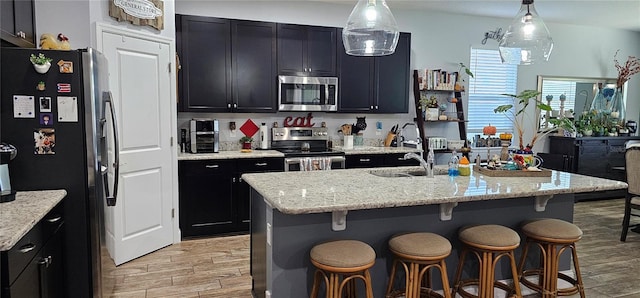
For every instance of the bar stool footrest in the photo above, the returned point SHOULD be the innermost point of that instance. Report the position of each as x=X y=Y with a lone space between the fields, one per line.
x=424 y=293
x=574 y=289
x=476 y=282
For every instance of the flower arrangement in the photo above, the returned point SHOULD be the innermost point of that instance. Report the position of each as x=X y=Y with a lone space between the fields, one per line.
x=520 y=116
x=631 y=67
x=39 y=60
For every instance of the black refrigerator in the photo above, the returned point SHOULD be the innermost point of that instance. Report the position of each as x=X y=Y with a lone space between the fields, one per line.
x=61 y=122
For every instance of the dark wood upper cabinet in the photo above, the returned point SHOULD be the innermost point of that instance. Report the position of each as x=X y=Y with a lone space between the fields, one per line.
x=306 y=50
x=204 y=47
x=227 y=65
x=253 y=50
x=17 y=23
x=375 y=84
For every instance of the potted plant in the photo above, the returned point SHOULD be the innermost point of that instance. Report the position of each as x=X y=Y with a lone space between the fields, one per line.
x=246 y=142
x=519 y=117
x=458 y=86
x=40 y=63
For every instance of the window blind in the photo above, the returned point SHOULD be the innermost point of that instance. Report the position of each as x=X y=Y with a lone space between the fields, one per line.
x=557 y=88
x=491 y=79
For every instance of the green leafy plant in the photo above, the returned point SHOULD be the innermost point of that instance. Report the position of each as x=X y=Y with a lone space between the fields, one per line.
x=40 y=59
x=246 y=139
x=520 y=117
x=466 y=70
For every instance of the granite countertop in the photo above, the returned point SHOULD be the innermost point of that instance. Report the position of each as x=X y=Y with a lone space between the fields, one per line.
x=19 y=216
x=230 y=155
x=233 y=154
x=355 y=189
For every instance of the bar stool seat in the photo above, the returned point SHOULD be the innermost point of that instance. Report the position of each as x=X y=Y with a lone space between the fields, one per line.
x=553 y=237
x=418 y=253
x=339 y=263
x=489 y=243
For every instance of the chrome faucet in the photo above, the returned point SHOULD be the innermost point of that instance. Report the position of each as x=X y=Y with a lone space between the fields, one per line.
x=428 y=166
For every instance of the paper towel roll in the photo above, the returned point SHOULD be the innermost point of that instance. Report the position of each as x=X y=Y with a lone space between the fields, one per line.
x=264 y=136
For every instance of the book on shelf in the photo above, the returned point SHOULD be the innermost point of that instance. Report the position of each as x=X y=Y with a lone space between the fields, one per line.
x=437 y=79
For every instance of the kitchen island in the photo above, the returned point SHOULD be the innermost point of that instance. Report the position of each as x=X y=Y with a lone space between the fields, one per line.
x=293 y=211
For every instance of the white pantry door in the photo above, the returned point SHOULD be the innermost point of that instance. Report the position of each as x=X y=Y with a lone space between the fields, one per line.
x=139 y=78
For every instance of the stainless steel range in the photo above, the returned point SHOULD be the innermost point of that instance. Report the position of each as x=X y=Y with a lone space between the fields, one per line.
x=300 y=143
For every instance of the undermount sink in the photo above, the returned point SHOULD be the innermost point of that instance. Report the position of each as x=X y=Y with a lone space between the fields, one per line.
x=392 y=174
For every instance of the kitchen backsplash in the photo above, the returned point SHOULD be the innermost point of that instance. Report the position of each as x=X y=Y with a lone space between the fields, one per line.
x=230 y=141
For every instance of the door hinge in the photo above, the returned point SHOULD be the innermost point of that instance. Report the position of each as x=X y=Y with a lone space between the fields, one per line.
x=169 y=67
x=173 y=213
x=171 y=141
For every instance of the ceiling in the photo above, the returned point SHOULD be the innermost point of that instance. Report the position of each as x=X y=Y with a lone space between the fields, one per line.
x=618 y=14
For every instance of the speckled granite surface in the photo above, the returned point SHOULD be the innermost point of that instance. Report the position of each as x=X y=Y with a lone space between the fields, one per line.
x=230 y=155
x=273 y=153
x=354 y=189
x=19 y=216
x=377 y=150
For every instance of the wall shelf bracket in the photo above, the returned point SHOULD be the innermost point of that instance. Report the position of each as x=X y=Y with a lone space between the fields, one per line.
x=446 y=210
x=541 y=202
x=339 y=220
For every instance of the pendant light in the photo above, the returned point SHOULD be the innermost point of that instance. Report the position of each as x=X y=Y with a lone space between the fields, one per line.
x=371 y=30
x=528 y=40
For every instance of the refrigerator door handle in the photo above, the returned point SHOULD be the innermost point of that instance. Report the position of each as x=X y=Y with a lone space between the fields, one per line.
x=111 y=199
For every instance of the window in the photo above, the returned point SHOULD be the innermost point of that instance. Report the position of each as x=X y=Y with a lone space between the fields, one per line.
x=491 y=79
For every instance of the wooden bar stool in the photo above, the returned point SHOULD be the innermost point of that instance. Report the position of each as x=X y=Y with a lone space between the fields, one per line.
x=488 y=243
x=340 y=263
x=418 y=253
x=553 y=237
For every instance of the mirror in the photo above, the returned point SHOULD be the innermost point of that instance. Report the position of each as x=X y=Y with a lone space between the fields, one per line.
x=580 y=93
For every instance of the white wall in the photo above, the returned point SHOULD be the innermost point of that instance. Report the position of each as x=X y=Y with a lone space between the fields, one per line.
x=76 y=19
x=438 y=40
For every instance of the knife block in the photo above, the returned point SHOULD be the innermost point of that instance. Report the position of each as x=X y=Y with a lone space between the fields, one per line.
x=389 y=139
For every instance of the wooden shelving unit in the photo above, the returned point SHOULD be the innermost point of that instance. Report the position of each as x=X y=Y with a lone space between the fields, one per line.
x=462 y=127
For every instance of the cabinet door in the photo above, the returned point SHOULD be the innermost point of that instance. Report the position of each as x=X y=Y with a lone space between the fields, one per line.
x=321 y=51
x=355 y=83
x=243 y=190
x=206 y=197
x=291 y=40
x=51 y=267
x=392 y=78
x=205 y=50
x=254 y=66
x=17 y=23
x=364 y=161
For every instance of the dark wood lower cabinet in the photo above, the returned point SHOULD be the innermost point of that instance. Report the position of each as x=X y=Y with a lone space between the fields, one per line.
x=213 y=198
x=592 y=156
x=34 y=267
x=378 y=160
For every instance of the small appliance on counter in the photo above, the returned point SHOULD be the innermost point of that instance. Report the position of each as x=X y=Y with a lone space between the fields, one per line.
x=410 y=135
x=264 y=136
x=7 y=153
x=205 y=135
x=632 y=126
x=437 y=143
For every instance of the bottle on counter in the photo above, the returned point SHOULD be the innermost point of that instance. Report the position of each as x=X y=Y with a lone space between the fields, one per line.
x=478 y=161
x=454 y=163
x=465 y=168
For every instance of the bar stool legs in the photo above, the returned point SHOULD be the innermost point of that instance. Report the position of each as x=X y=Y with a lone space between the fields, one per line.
x=553 y=237
x=418 y=254
x=489 y=244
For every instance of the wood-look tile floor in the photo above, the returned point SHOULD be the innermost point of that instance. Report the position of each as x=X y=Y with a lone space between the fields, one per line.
x=219 y=267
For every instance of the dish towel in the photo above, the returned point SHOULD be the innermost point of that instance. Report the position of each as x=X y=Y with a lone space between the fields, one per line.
x=316 y=163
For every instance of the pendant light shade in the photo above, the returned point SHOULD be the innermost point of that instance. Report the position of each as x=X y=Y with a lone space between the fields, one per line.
x=371 y=30
x=527 y=41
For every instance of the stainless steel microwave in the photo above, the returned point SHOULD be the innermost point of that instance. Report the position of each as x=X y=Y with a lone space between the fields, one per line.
x=307 y=93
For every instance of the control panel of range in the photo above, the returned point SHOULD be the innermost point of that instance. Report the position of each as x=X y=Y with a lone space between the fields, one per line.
x=299 y=133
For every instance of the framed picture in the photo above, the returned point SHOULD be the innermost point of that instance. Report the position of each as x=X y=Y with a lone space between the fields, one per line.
x=46 y=119
x=45 y=104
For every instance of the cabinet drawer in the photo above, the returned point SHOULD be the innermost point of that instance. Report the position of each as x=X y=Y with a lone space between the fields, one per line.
x=52 y=222
x=364 y=161
x=208 y=167
x=396 y=160
x=251 y=165
x=591 y=143
x=18 y=257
